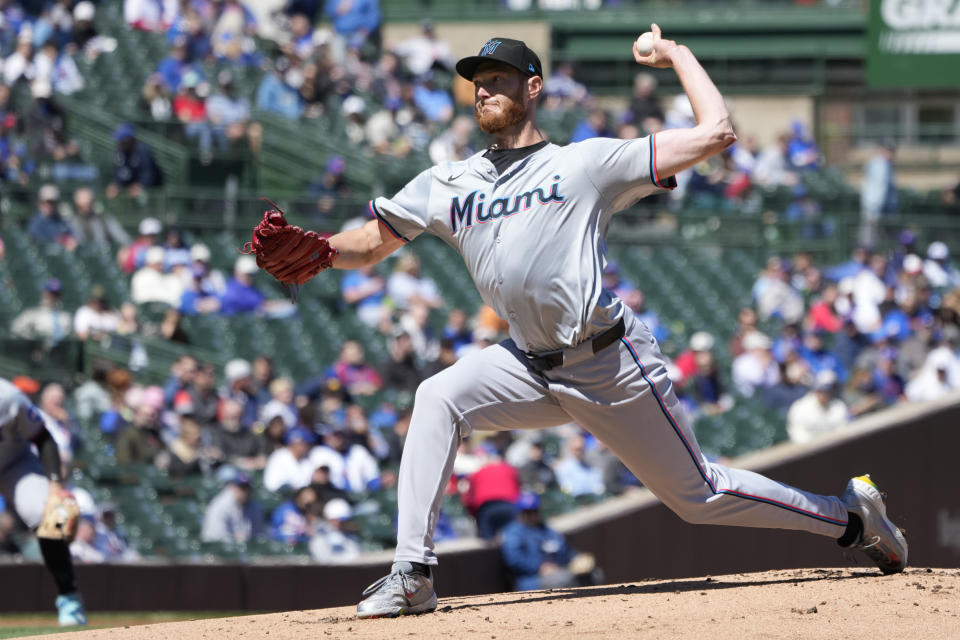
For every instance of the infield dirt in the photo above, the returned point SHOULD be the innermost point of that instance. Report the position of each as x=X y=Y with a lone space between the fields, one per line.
x=803 y=603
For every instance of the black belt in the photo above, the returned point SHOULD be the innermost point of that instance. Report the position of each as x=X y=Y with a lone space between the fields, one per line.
x=553 y=359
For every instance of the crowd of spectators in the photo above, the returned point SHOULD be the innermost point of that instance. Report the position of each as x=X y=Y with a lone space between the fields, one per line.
x=841 y=341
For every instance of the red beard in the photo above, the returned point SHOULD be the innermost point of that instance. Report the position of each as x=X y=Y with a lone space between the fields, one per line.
x=512 y=113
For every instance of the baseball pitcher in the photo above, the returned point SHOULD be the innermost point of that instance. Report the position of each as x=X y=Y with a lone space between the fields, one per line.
x=31 y=483
x=529 y=219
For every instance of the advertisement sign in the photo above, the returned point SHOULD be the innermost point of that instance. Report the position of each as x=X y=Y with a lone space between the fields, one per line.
x=913 y=43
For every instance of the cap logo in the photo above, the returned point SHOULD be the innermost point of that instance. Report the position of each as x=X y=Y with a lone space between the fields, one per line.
x=490 y=47
x=530 y=67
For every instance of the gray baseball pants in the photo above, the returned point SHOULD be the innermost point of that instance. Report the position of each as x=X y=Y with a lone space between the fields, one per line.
x=621 y=395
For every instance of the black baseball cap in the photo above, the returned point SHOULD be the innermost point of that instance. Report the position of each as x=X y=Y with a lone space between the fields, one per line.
x=512 y=52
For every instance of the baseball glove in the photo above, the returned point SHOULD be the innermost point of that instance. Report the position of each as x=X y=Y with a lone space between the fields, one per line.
x=288 y=253
x=60 y=517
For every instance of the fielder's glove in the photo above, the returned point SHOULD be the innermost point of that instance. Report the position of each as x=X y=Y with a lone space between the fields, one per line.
x=60 y=516
x=288 y=253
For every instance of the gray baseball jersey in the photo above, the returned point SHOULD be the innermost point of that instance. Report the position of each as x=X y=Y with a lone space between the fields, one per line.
x=20 y=422
x=533 y=240
x=540 y=228
x=22 y=481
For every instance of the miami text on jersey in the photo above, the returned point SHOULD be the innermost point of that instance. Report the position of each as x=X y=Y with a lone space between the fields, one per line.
x=462 y=213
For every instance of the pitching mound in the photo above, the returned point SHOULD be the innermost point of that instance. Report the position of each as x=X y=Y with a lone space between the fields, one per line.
x=808 y=603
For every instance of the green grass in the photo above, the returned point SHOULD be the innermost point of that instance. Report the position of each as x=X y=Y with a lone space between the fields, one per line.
x=19 y=625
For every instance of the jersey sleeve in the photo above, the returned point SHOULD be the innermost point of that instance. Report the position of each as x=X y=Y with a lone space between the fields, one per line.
x=405 y=214
x=624 y=171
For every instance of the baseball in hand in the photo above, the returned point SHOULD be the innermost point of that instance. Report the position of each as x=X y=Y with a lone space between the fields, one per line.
x=645 y=43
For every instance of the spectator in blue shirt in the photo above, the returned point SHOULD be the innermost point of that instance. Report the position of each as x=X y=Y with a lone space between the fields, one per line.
x=277 y=96
x=241 y=295
x=364 y=290
x=289 y=521
x=536 y=556
x=230 y=116
x=173 y=67
x=358 y=21
x=593 y=126
x=435 y=102
x=48 y=226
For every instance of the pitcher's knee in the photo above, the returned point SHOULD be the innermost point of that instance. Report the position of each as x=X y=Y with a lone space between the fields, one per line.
x=695 y=509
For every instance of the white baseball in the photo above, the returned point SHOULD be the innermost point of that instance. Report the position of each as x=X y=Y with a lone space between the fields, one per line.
x=645 y=43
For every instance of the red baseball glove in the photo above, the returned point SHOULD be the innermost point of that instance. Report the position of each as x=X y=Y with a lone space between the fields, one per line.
x=288 y=253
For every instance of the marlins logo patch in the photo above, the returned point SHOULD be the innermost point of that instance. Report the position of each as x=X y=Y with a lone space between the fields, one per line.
x=490 y=47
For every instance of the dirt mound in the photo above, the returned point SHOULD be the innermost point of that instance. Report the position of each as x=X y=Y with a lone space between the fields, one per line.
x=806 y=603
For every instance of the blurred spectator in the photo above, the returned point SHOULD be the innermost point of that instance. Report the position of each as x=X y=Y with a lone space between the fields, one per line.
x=60 y=423
x=189 y=107
x=232 y=515
x=364 y=289
x=493 y=489
x=183 y=373
x=425 y=52
x=82 y=548
x=415 y=322
x=331 y=543
x=324 y=487
x=231 y=118
x=176 y=66
x=536 y=556
x=822 y=315
x=400 y=372
x=774 y=296
x=231 y=34
x=47 y=226
x=593 y=126
x=203 y=396
x=281 y=403
x=92 y=224
x=705 y=385
x=95 y=319
x=878 y=194
x=239 y=386
x=818 y=412
x=145 y=15
x=188 y=455
x=91 y=398
x=19 y=64
x=278 y=92
x=406 y=285
x=885 y=380
x=937 y=268
x=937 y=377
x=237 y=444
x=331 y=188
x=746 y=324
x=645 y=109
x=353 y=372
x=433 y=101
x=290 y=466
x=535 y=474
x=133 y=257
x=352 y=467
x=58 y=70
x=356 y=22
x=562 y=90
x=289 y=520
x=241 y=295
x=772 y=167
x=262 y=374
x=48 y=321
x=802 y=151
x=109 y=540
x=134 y=167
x=755 y=368
x=151 y=284
x=454 y=144
x=815 y=353
x=140 y=442
x=155 y=98
x=860 y=394
x=686 y=363
x=574 y=474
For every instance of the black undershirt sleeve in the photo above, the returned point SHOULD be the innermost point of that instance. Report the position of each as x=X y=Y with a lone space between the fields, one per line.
x=49 y=455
